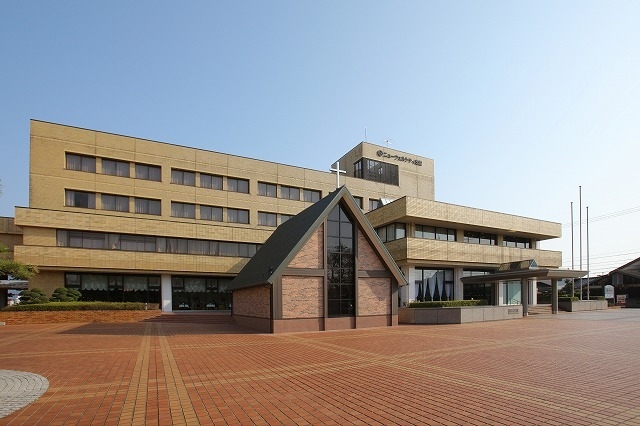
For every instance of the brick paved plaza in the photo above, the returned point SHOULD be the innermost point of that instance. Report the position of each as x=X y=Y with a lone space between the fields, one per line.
x=569 y=369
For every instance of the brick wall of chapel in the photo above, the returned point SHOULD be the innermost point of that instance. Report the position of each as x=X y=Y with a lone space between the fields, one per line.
x=252 y=302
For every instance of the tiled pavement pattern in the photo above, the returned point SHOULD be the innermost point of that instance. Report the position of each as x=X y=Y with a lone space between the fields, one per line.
x=19 y=388
x=572 y=369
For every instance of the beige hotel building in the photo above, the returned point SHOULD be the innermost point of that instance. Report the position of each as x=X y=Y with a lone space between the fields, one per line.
x=127 y=219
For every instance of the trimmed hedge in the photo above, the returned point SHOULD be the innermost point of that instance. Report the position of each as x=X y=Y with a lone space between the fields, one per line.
x=78 y=306
x=568 y=299
x=447 y=304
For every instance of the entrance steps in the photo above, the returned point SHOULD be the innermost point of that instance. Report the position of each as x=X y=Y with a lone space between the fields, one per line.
x=540 y=309
x=194 y=317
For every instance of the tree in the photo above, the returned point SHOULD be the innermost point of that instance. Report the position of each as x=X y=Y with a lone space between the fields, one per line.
x=14 y=268
x=63 y=294
x=33 y=296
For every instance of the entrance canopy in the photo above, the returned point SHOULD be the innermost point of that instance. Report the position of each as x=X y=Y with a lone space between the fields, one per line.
x=522 y=270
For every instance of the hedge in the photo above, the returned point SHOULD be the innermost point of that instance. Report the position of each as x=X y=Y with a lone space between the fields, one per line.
x=447 y=304
x=78 y=306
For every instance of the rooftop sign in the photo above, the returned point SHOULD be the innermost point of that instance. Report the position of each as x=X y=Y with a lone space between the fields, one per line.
x=401 y=158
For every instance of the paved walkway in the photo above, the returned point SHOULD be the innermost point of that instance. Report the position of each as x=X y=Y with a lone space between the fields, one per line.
x=573 y=369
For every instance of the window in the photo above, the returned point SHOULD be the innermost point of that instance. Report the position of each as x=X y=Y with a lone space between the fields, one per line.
x=147 y=206
x=181 y=177
x=151 y=244
x=115 y=168
x=290 y=193
x=310 y=195
x=82 y=199
x=435 y=233
x=211 y=213
x=267 y=219
x=237 y=216
x=238 y=185
x=518 y=242
x=267 y=189
x=479 y=238
x=183 y=210
x=393 y=231
x=285 y=217
x=374 y=204
x=433 y=284
x=340 y=264
x=210 y=181
x=376 y=171
x=359 y=202
x=81 y=163
x=147 y=172
x=114 y=203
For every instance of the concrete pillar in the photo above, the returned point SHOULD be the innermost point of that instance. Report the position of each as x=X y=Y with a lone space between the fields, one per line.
x=458 y=287
x=533 y=292
x=554 y=295
x=524 y=292
x=165 y=293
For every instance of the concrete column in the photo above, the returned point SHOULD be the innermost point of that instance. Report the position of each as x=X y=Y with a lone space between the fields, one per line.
x=497 y=287
x=533 y=292
x=458 y=287
x=165 y=293
x=524 y=292
x=554 y=295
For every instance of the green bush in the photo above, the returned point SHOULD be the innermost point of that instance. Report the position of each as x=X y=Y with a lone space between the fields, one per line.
x=63 y=294
x=78 y=306
x=567 y=299
x=447 y=304
x=33 y=296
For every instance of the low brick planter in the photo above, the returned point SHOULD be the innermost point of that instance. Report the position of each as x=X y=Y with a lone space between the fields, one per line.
x=52 y=317
x=458 y=315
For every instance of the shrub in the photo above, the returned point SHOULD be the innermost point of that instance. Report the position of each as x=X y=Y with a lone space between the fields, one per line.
x=78 y=306
x=447 y=304
x=33 y=296
x=567 y=299
x=63 y=294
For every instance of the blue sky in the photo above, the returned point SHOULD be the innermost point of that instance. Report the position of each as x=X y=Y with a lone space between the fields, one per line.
x=517 y=102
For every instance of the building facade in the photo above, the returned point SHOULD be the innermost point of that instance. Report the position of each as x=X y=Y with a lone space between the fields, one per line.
x=128 y=219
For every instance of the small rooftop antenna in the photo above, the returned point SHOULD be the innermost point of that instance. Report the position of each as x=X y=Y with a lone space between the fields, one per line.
x=365 y=133
x=388 y=142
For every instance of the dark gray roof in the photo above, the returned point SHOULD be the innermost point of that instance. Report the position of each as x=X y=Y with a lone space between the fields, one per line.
x=287 y=240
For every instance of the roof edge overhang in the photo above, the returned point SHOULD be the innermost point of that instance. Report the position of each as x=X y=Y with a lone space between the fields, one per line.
x=541 y=273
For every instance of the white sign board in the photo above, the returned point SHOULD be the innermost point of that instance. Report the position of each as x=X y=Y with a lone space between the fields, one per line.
x=609 y=292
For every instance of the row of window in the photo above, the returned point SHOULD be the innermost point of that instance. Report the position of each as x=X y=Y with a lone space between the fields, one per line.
x=146 y=243
x=396 y=231
x=121 y=203
x=288 y=192
x=376 y=171
x=86 y=163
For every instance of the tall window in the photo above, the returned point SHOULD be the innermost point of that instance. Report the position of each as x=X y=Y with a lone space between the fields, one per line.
x=376 y=171
x=182 y=177
x=211 y=213
x=341 y=295
x=267 y=219
x=183 y=210
x=114 y=203
x=115 y=168
x=82 y=199
x=147 y=206
x=267 y=189
x=81 y=163
x=433 y=284
x=237 y=216
x=479 y=238
x=147 y=172
x=310 y=195
x=238 y=185
x=210 y=181
x=290 y=193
